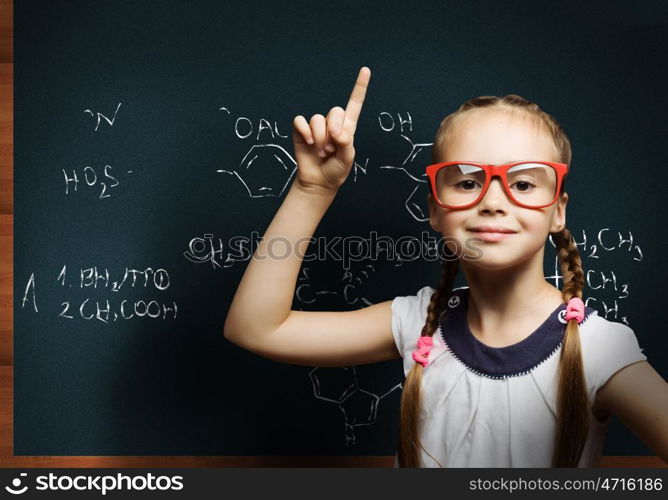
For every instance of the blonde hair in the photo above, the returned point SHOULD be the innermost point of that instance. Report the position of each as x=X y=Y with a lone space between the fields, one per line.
x=573 y=405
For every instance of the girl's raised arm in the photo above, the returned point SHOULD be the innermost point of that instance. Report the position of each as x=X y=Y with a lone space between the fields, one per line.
x=260 y=318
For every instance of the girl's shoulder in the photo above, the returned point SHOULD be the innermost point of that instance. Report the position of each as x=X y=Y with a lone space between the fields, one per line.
x=607 y=347
x=409 y=313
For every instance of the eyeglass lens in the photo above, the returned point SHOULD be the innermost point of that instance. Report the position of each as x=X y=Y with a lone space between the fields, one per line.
x=532 y=184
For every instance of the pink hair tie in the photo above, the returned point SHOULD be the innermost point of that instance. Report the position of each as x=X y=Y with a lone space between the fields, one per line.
x=575 y=309
x=425 y=344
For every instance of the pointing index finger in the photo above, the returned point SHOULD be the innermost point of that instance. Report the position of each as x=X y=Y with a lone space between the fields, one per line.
x=356 y=100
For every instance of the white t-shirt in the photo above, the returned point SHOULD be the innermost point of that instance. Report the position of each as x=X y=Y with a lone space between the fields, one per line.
x=496 y=407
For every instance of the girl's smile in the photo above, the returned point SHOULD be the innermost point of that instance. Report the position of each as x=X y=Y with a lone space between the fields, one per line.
x=492 y=236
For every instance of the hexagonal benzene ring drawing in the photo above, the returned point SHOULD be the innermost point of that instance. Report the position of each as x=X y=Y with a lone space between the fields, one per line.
x=340 y=386
x=265 y=170
x=416 y=169
x=415 y=204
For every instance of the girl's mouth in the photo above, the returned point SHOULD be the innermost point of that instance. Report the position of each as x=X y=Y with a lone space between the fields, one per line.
x=492 y=236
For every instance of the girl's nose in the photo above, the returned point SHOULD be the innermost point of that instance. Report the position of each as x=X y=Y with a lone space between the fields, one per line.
x=495 y=198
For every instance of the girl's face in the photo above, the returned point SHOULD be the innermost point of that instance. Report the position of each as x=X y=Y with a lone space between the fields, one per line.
x=494 y=137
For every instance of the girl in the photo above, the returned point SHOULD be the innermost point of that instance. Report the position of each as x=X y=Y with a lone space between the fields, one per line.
x=507 y=372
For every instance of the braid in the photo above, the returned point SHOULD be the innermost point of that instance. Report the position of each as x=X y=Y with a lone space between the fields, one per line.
x=571 y=265
x=573 y=405
x=440 y=297
x=409 y=431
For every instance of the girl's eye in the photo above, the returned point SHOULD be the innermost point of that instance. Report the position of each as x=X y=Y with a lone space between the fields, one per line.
x=525 y=185
x=467 y=184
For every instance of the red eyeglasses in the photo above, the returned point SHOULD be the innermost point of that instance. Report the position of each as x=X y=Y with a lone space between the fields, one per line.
x=528 y=183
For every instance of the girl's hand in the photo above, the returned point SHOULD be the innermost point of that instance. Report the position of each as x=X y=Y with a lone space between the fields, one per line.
x=324 y=150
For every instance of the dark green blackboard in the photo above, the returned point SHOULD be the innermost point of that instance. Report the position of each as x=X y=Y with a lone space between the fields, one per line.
x=149 y=134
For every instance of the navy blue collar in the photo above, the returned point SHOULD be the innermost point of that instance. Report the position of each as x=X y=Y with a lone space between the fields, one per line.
x=500 y=362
